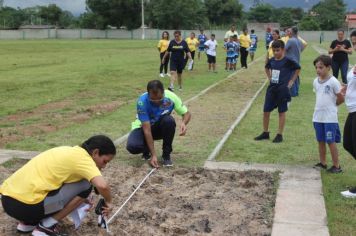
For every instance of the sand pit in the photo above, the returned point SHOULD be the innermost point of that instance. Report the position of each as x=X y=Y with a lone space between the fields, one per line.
x=182 y=201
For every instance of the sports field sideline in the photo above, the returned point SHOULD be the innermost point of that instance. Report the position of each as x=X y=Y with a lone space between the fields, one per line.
x=86 y=87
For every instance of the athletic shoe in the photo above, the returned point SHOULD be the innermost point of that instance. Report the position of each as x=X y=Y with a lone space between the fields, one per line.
x=146 y=156
x=351 y=193
x=334 y=170
x=169 y=75
x=167 y=162
x=320 y=166
x=25 y=228
x=40 y=230
x=161 y=75
x=171 y=89
x=278 y=139
x=264 y=135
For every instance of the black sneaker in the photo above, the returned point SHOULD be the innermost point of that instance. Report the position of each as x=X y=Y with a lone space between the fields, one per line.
x=146 y=156
x=264 y=135
x=334 y=170
x=167 y=162
x=171 y=89
x=278 y=139
x=320 y=166
x=40 y=230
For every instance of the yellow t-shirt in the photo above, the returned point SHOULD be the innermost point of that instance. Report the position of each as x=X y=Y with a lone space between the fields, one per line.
x=192 y=43
x=245 y=41
x=285 y=39
x=270 y=51
x=163 y=45
x=48 y=171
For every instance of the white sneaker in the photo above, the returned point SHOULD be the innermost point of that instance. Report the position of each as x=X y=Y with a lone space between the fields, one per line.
x=161 y=75
x=168 y=74
x=23 y=228
x=351 y=193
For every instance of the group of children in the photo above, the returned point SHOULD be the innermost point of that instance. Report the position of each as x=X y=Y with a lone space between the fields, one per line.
x=330 y=93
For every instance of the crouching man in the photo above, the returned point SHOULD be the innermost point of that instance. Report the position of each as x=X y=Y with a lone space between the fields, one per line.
x=154 y=122
x=56 y=182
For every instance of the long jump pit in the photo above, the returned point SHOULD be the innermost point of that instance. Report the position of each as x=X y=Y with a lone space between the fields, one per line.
x=178 y=201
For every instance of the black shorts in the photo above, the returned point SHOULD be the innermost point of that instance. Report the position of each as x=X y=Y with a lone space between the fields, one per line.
x=211 y=59
x=277 y=96
x=176 y=65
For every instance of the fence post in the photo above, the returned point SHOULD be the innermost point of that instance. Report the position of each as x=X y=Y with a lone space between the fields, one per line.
x=157 y=34
x=131 y=34
x=23 y=35
x=106 y=34
x=80 y=34
x=48 y=33
x=184 y=34
x=55 y=33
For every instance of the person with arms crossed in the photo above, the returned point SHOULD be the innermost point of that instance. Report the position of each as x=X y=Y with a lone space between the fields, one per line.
x=245 y=43
x=154 y=121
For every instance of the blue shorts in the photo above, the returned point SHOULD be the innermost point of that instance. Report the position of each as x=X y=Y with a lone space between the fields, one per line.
x=277 y=96
x=231 y=60
x=201 y=48
x=253 y=50
x=327 y=132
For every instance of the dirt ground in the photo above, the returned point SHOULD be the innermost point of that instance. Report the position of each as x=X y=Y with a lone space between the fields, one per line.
x=180 y=201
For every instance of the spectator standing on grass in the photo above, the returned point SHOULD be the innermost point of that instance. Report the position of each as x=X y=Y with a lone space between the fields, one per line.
x=162 y=48
x=253 y=47
x=154 y=121
x=275 y=35
x=193 y=43
x=245 y=43
x=202 y=39
x=328 y=96
x=294 y=48
x=211 y=46
x=178 y=48
x=54 y=183
x=231 y=32
x=282 y=73
x=268 y=37
x=349 y=140
x=340 y=48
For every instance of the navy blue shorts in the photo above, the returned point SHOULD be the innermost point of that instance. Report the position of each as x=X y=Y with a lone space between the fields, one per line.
x=327 y=132
x=277 y=97
x=231 y=60
x=201 y=48
x=175 y=65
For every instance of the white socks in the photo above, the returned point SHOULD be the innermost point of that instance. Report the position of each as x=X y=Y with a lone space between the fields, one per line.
x=48 y=222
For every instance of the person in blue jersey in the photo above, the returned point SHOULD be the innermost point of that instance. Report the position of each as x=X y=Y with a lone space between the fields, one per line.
x=154 y=121
x=268 y=37
x=237 y=49
x=253 y=47
x=230 y=48
x=202 y=39
x=178 y=49
x=282 y=72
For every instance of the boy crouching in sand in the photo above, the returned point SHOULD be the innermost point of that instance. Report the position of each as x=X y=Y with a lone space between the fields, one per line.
x=328 y=96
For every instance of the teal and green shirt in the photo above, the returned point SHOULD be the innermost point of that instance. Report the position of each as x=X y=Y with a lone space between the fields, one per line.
x=148 y=111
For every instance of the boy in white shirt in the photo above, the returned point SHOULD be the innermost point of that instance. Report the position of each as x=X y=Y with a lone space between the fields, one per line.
x=328 y=96
x=211 y=46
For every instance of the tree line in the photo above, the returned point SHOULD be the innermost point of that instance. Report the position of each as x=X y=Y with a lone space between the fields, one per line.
x=189 y=14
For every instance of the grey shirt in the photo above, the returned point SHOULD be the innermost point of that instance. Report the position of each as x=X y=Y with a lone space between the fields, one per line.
x=293 y=49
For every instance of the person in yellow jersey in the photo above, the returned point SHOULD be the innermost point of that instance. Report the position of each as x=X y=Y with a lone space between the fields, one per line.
x=162 y=48
x=275 y=36
x=55 y=183
x=193 y=43
x=245 y=43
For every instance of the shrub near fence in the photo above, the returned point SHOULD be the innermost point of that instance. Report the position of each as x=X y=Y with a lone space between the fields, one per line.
x=153 y=34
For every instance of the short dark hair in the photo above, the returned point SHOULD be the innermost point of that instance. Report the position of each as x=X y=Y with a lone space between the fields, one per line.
x=252 y=31
x=177 y=32
x=294 y=30
x=192 y=33
x=212 y=35
x=341 y=30
x=278 y=44
x=326 y=60
x=101 y=142
x=353 y=34
x=155 y=86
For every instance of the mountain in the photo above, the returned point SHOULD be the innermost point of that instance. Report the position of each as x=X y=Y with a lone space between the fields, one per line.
x=304 y=4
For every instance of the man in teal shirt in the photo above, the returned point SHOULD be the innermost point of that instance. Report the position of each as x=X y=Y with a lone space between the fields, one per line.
x=154 y=122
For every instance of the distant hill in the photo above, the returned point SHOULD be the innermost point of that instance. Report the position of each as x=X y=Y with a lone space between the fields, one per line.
x=304 y=4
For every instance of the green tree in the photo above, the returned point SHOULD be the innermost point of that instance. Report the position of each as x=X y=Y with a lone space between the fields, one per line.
x=285 y=19
x=261 y=13
x=330 y=14
x=223 y=12
x=10 y=18
x=51 y=13
x=309 y=23
x=90 y=20
x=177 y=14
x=117 y=12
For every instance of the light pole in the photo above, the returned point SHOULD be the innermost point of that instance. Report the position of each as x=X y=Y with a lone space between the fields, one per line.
x=143 y=20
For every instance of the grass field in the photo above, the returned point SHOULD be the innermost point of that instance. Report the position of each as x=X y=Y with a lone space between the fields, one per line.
x=299 y=147
x=59 y=92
